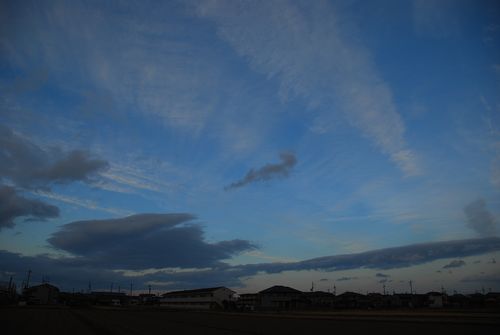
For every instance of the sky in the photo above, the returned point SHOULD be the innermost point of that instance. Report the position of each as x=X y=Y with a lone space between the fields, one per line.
x=352 y=145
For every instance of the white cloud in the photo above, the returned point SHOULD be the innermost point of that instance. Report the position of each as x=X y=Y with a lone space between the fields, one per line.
x=85 y=203
x=136 y=56
x=313 y=56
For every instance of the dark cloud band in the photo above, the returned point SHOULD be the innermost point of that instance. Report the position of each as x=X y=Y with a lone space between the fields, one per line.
x=268 y=171
x=480 y=219
x=29 y=166
x=72 y=270
x=13 y=206
x=144 y=241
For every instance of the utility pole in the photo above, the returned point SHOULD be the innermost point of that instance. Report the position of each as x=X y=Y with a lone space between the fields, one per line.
x=411 y=287
x=28 y=281
x=384 y=288
x=90 y=287
x=111 y=287
x=131 y=289
x=149 y=286
x=334 y=290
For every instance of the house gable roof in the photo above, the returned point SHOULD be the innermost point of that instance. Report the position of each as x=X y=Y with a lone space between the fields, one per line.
x=277 y=289
x=196 y=291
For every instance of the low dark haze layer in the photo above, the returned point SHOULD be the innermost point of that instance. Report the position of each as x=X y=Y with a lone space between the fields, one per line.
x=77 y=271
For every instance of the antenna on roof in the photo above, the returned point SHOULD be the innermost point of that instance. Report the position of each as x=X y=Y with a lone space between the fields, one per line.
x=90 y=287
x=131 y=289
x=149 y=287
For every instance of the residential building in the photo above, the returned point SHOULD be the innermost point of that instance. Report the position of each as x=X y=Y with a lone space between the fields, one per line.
x=205 y=298
x=249 y=301
x=282 y=297
x=44 y=294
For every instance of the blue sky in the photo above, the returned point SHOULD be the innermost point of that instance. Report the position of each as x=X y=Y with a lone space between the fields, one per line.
x=210 y=141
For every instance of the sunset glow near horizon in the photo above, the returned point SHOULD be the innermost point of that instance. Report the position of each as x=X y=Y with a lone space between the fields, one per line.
x=189 y=144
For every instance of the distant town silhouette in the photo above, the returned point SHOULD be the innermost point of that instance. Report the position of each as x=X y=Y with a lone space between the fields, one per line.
x=222 y=298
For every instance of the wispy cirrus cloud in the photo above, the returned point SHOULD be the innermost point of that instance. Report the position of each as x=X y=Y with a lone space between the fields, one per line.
x=436 y=18
x=267 y=172
x=84 y=203
x=312 y=55
x=130 y=63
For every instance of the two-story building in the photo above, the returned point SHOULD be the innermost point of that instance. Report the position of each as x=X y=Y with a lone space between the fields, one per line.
x=205 y=298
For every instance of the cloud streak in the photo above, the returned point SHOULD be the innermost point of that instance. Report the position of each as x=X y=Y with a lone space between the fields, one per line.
x=267 y=172
x=381 y=275
x=347 y=278
x=389 y=258
x=312 y=55
x=13 y=206
x=455 y=264
x=480 y=219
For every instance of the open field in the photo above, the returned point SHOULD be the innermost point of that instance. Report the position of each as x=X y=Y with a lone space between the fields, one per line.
x=31 y=320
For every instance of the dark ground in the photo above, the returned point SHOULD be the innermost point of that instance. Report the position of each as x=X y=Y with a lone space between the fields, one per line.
x=38 y=320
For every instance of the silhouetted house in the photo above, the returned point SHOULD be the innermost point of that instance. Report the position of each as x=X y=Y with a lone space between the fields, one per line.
x=408 y=300
x=477 y=300
x=44 y=294
x=205 y=298
x=378 y=301
x=249 y=301
x=8 y=293
x=148 y=299
x=319 y=299
x=435 y=300
x=105 y=298
x=458 y=301
x=75 y=299
x=350 y=300
x=282 y=297
x=492 y=299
